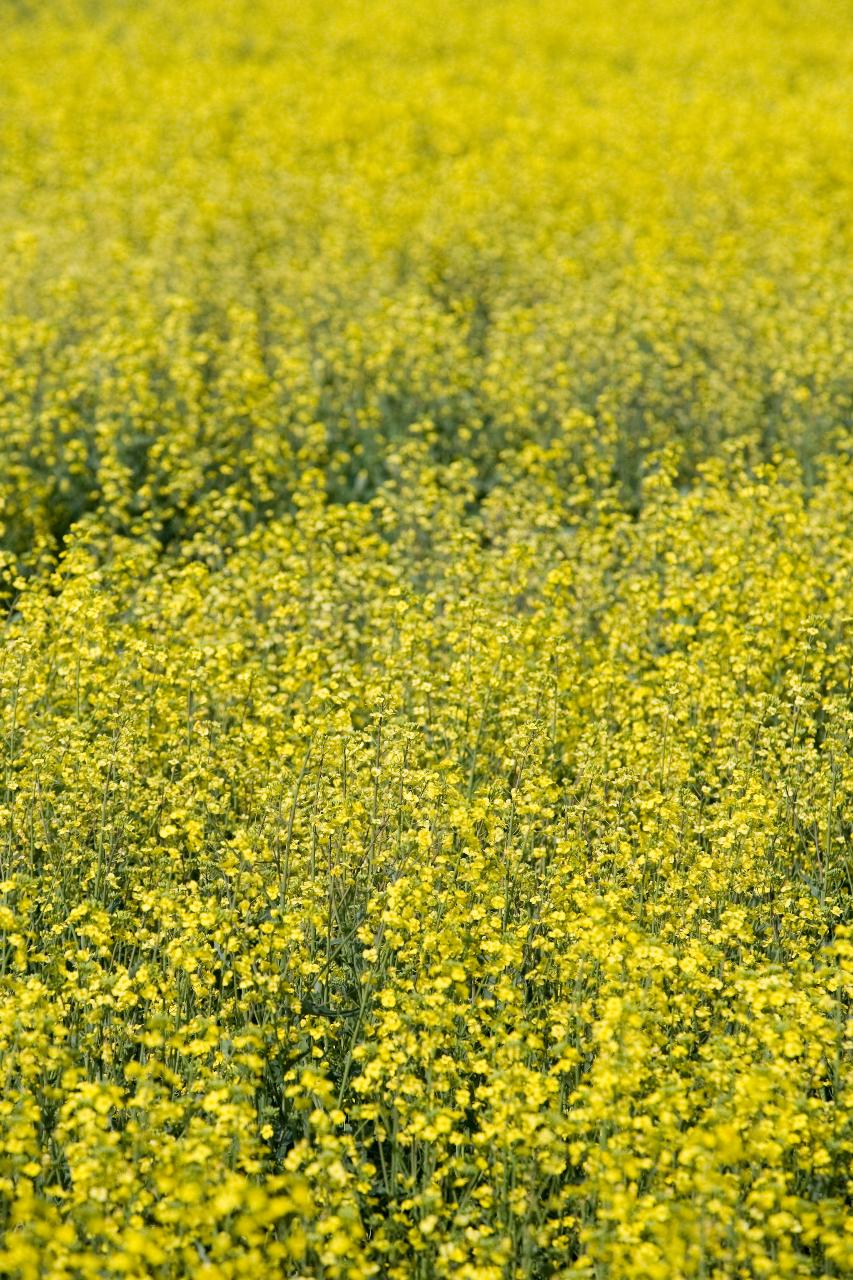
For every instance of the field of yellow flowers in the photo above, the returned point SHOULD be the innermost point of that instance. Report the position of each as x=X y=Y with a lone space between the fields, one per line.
x=426 y=569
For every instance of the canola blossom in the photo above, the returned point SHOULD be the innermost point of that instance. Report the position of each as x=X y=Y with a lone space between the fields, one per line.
x=426 y=564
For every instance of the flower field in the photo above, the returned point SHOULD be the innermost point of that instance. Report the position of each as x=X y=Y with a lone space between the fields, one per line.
x=426 y=569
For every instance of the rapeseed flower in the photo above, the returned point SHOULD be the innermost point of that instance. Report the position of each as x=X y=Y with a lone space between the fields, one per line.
x=425 y=508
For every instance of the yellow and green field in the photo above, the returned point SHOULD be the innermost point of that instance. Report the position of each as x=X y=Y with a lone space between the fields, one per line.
x=426 y=570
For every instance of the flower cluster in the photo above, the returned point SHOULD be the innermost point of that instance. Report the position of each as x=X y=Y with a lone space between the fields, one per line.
x=426 y=758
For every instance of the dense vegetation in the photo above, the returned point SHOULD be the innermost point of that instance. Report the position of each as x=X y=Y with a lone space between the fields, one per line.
x=426 y=493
